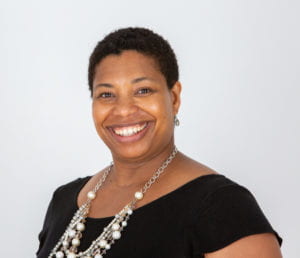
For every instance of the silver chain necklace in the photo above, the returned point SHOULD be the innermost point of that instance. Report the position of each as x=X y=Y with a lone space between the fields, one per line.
x=70 y=240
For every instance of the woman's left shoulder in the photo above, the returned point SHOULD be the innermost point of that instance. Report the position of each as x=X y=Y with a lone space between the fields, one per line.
x=211 y=187
x=224 y=210
x=189 y=170
x=228 y=212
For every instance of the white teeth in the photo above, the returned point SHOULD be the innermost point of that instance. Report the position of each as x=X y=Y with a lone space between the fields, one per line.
x=129 y=131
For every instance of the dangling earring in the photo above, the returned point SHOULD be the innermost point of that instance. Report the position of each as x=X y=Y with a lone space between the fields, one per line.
x=176 y=121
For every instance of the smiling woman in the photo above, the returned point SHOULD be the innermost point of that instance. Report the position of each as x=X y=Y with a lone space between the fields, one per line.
x=152 y=201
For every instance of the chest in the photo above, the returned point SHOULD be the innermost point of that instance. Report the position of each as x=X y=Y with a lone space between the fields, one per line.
x=158 y=232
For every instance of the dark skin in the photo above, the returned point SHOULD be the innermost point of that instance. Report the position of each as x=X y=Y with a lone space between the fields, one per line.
x=129 y=91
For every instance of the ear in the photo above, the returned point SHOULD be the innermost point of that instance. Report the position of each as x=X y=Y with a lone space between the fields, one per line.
x=175 y=91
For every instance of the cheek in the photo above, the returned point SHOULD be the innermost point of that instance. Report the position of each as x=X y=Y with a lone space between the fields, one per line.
x=99 y=114
x=161 y=109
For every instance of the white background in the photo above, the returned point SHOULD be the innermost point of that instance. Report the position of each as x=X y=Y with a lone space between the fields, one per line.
x=239 y=66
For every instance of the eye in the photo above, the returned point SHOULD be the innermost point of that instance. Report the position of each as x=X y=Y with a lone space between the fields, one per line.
x=144 y=91
x=105 y=95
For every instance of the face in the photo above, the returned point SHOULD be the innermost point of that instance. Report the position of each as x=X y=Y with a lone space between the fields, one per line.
x=133 y=109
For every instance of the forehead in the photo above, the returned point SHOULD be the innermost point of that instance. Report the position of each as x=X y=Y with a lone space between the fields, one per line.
x=129 y=63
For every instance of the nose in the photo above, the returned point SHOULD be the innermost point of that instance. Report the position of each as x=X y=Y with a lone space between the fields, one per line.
x=125 y=106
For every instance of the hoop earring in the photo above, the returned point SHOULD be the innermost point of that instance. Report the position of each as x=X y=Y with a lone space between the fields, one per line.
x=176 y=121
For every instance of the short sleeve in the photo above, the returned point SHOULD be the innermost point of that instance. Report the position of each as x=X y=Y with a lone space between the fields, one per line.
x=47 y=221
x=228 y=214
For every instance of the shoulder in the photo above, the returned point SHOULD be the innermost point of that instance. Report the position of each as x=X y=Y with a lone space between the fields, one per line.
x=226 y=213
x=61 y=207
x=64 y=199
x=193 y=173
x=223 y=210
x=71 y=185
x=69 y=190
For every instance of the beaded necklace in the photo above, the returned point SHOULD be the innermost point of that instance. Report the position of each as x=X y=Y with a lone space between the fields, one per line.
x=70 y=240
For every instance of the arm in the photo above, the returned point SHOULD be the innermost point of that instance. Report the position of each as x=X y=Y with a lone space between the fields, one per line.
x=263 y=245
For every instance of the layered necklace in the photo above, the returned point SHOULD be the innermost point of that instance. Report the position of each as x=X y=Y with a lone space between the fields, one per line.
x=68 y=244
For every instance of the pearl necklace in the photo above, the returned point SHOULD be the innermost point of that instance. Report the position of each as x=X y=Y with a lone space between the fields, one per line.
x=70 y=240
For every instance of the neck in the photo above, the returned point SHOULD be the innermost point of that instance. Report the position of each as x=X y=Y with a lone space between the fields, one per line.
x=126 y=173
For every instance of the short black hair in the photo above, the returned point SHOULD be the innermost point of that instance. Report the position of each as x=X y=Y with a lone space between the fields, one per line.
x=142 y=40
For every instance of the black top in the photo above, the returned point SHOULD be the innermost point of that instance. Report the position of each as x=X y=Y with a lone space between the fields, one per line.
x=203 y=215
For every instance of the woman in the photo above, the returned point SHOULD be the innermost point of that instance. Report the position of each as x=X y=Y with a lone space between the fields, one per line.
x=152 y=201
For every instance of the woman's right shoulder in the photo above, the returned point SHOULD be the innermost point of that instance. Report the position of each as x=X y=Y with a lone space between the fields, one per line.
x=70 y=187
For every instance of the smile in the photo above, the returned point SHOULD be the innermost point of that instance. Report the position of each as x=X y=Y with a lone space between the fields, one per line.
x=126 y=131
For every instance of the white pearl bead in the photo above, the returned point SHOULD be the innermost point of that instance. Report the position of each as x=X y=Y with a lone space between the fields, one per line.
x=80 y=226
x=72 y=233
x=102 y=243
x=139 y=195
x=116 y=234
x=116 y=226
x=76 y=242
x=124 y=223
x=98 y=256
x=129 y=211
x=65 y=243
x=107 y=246
x=91 y=195
x=71 y=255
x=59 y=254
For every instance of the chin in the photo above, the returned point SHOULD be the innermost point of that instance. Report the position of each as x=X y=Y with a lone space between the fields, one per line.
x=130 y=152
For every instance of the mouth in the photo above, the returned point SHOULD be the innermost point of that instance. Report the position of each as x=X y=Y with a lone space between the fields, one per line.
x=129 y=132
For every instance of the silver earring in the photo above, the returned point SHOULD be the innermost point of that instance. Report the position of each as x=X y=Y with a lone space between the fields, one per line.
x=176 y=121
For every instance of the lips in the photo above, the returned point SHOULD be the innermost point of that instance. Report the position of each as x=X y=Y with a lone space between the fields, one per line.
x=129 y=132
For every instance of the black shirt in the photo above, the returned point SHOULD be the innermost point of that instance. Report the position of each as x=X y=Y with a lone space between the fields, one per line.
x=201 y=216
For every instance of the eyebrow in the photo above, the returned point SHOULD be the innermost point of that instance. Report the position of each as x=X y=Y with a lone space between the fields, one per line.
x=136 y=80
x=142 y=79
x=107 y=85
